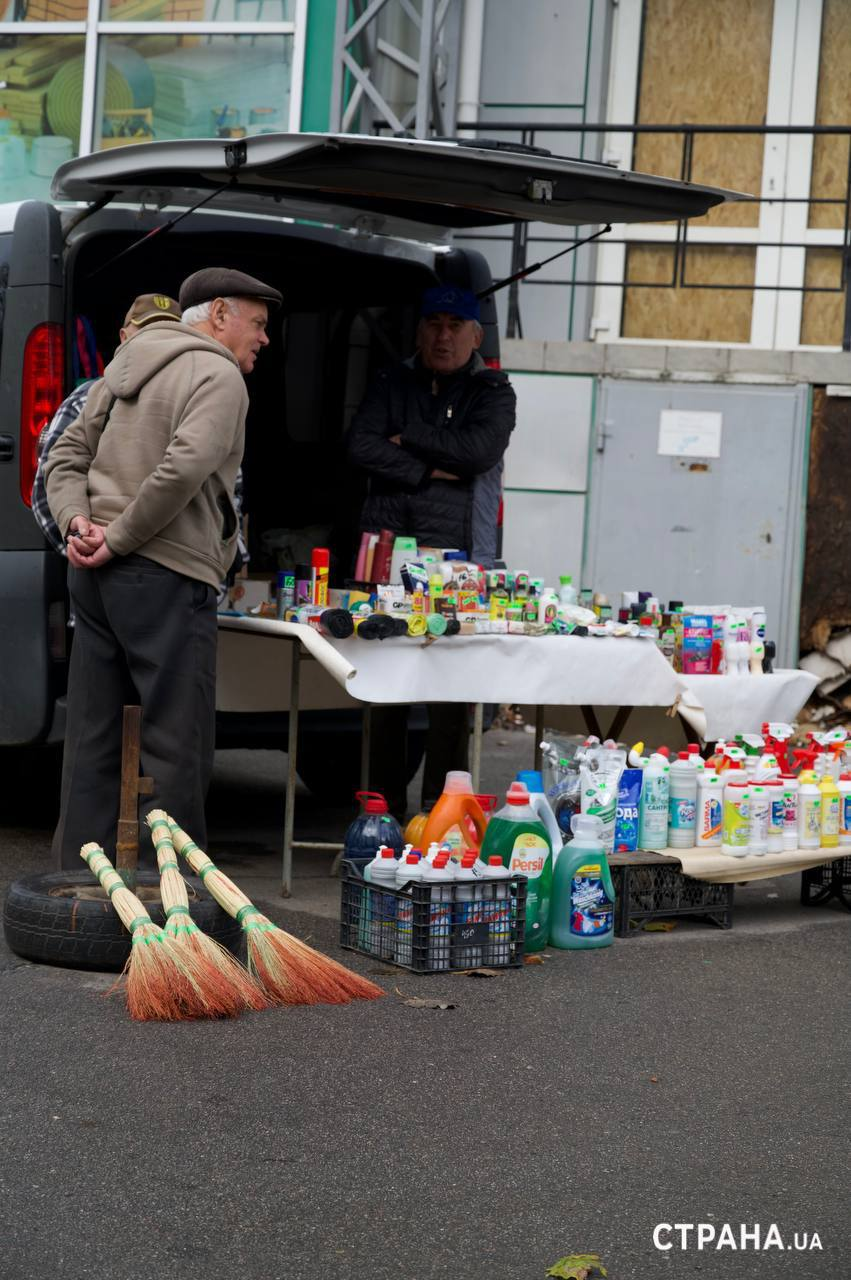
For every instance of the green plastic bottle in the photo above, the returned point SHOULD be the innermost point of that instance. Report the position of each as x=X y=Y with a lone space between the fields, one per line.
x=517 y=836
x=583 y=894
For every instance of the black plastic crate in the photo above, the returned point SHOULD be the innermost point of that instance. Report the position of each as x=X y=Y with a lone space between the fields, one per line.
x=831 y=880
x=659 y=890
x=474 y=923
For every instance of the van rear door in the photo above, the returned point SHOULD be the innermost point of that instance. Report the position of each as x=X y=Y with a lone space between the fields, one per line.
x=32 y=577
x=393 y=186
x=32 y=363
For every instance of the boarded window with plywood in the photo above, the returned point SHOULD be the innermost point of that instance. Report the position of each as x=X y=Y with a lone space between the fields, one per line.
x=691 y=315
x=706 y=64
x=824 y=313
x=833 y=106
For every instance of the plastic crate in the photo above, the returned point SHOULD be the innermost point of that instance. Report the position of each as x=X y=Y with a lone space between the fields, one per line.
x=407 y=928
x=831 y=880
x=656 y=891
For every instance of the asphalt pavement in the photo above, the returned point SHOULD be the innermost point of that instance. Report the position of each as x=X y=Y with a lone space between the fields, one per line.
x=692 y=1077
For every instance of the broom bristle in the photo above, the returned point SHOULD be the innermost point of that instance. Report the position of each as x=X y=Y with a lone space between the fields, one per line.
x=229 y=986
x=151 y=991
x=223 y=985
x=294 y=973
x=289 y=970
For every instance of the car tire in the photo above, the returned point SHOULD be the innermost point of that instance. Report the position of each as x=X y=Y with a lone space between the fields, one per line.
x=45 y=919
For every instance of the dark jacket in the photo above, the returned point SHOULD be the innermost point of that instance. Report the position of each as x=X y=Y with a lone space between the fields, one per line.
x=460 y=423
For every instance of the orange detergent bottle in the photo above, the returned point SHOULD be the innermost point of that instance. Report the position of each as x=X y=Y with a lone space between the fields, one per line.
x=456 y=812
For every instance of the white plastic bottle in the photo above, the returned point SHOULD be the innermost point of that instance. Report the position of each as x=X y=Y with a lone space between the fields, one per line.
x=548 y=606
x=567 y=591
x=790 y=811
x=537 y=798
x=381 y=913
x=498 y=913
x=776 y=814
x=438 y=875
x=710 y=805
x=844 y=785
x=468 y=916
x=682 y=803
x=413 y=869
x=736 y=819
x=655 y=789
x=758 y=810
x=809 y=811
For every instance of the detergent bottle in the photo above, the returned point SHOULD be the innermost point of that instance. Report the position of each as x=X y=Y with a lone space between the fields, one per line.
x=537 y=798
x=412 y=870
x=829 y=812
x=682 y=803
x=379 y=914
x=498 y=911
x=809 y=810
x=447 y=822
x=583 y=910
x=653 y=810
x=373 y=827
x=844 y=788
x=517 y=835
x=736 y=833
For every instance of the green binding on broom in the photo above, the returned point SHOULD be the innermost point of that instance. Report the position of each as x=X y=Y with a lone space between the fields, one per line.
x=224 y=984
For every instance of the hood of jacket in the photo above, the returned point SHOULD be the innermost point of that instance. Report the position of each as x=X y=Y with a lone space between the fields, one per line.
x=150 y=350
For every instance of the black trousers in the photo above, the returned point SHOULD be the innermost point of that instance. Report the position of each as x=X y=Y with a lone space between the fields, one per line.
x=143 y=635
x=447 y=747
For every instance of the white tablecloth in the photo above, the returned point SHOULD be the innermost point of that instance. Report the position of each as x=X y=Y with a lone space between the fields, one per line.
x=540 y=670
x=721 y=868
x=719 y=706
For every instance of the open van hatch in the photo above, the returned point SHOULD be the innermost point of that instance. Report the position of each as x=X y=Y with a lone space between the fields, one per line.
x=392 y=186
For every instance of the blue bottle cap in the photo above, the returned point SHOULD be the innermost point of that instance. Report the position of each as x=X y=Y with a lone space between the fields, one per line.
x=532 y=778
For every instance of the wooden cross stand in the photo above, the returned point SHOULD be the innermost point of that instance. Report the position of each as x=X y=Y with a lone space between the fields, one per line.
x=132 y=788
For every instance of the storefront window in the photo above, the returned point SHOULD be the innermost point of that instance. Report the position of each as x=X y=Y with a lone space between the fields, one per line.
x=43 y=10
x=41 y=98
x=171 y=87
x=197 y=10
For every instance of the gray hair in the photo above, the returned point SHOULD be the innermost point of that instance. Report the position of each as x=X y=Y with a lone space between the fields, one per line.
x=201 y=311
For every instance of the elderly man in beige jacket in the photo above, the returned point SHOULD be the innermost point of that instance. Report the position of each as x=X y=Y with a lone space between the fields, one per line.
x=141 y=485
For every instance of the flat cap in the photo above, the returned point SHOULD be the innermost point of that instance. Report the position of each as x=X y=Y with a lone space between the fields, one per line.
x=152 y=306
x=221 y=282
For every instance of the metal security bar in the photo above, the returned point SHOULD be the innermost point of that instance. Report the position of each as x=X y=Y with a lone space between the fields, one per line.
x=525 y=246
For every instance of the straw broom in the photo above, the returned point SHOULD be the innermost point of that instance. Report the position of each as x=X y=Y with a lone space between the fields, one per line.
x=161 y=983
x=289 y=970
x=227 y=986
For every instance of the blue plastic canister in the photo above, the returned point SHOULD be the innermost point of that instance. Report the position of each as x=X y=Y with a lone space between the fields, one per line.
x=373 y=827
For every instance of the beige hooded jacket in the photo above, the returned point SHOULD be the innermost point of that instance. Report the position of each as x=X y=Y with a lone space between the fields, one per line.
x=160 y=473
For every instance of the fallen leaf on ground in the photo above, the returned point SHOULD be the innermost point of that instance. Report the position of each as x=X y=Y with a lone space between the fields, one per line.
x=579 y=1266
x=533 y=959
x=479 y=973
x=654 y=1079
x=660 y=926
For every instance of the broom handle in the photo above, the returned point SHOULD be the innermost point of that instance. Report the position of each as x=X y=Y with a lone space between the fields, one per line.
x=133 y=914
x=202 y=865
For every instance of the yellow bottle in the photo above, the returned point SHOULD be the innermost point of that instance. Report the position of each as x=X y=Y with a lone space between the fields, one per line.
x=829 y=812
x=414 y=830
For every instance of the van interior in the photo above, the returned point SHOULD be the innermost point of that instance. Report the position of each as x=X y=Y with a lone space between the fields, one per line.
x=347 y=311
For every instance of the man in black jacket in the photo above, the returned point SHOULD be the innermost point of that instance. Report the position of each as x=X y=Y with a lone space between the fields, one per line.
x=431 y=433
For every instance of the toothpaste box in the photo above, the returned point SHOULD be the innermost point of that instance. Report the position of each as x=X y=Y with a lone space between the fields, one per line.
x=697 y=644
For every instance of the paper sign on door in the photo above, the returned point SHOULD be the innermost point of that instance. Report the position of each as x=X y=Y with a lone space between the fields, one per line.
x=684 y=434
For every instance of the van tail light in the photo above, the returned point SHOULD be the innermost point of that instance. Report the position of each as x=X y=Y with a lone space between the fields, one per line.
x=493 y=362
x=42 y=392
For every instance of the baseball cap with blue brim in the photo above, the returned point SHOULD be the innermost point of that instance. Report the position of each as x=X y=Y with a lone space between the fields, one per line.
x=451 y=301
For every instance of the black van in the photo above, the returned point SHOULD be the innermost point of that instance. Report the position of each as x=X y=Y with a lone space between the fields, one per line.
x=350 y=229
